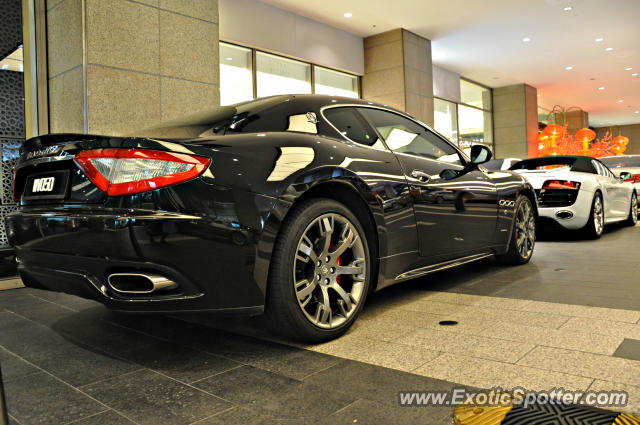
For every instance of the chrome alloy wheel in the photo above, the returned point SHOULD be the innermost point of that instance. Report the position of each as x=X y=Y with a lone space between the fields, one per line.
x=329 y=270
x=634 y=208
x=525 y=229
x=598 y=215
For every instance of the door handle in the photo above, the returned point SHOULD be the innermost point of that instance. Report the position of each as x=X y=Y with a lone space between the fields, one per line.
x=420 y=176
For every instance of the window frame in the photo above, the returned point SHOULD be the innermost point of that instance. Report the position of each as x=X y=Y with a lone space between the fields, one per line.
x=254 y=68
x=464 y=160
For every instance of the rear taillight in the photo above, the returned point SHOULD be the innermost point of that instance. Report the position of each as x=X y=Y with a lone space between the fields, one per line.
x=128 y=171
x=561 y=184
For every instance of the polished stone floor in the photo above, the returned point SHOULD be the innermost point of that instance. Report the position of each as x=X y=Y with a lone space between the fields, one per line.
x=570 y=318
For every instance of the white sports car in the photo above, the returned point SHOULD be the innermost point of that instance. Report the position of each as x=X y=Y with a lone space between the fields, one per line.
x=579 y=192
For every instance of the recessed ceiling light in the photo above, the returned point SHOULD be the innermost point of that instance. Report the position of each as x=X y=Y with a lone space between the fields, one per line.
x=601 y=88
x=608 y=49
x=599 y=39
x=348 y=15
x=621 y=100
x=229 y=58
x=568 y=8
x=628 y=69
x=526 y=39
x=636 y=112
x=635 y=74
x=568 y=68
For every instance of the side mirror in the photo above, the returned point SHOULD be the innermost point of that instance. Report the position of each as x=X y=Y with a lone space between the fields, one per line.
x=624 y=176
x=480 y=154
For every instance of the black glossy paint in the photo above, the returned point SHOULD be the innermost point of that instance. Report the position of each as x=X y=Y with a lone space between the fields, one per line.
x=214 y=234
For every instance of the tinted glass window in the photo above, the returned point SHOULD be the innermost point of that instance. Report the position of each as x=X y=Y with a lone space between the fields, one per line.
x=352 y=126
x=406 y=136
x=621 y=161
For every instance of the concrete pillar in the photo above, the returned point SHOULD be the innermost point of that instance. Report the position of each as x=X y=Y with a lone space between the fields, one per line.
x=515 y=121
x=117 y=65
x=398 y=72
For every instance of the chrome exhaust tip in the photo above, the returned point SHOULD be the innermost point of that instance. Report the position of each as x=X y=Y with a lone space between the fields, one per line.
x=139 y=283
x=564 y=215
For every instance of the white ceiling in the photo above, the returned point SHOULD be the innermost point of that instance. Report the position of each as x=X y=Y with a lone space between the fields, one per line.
x=482 y=40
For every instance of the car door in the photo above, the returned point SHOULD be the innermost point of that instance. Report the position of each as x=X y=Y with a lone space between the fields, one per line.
x=614 y=204
x=455 y=206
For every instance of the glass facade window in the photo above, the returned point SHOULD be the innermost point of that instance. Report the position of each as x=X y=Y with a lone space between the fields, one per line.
x=334 y=83
x=445 y=119
x=236 y=74
x=278 y=75
x=474 y=127
x=241 y=79
x=475 y=95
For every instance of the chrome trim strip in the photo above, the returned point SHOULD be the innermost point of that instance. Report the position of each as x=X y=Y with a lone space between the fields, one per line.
x=441 y=266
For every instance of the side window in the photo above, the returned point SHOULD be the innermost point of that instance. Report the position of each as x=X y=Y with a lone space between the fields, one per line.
x=406 y=136
x=351 y=125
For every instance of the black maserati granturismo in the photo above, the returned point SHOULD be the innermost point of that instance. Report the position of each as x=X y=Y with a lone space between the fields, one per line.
x=295 y=206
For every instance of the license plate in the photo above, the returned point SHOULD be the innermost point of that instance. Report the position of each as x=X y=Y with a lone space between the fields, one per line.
x=52 y=185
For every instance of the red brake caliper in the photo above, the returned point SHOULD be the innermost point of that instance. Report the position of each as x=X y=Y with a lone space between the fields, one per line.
x=337 y=262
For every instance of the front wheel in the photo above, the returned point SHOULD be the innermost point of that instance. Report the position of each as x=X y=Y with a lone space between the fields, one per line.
x=523 y=234
x=595 y=226
x=633 y=211
x=320 y=272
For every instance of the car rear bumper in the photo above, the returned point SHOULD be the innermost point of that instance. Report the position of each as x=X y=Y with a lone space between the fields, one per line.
x=572 y=217
x=213 y=260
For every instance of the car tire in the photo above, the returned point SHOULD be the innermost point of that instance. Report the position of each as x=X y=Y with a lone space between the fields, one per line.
x=523 y=234
x=633 y=211
x=308 y=300
x=595 y=226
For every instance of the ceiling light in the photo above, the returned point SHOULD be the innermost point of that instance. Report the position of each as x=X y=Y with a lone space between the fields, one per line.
x=635 y=74
x=568 y=8
x=637 y=112
x=628 y=69
x=568 y=68
x=601 y=88
x=348 y=15
x=526 y=40
x=608 y=49
x=621 y=100
x=229 y=58
x=599 y=39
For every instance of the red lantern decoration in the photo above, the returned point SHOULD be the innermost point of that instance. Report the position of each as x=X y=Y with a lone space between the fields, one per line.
x=618 y=148
x=553 y=130
x=620 y=140
x=585 y=135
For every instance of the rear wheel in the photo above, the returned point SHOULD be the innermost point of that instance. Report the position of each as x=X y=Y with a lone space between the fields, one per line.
x=523 y=235
x=595 y=226
x=633 y=211
x=320 y=272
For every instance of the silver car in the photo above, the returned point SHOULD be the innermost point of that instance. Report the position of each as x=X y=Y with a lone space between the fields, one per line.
x=626 y=163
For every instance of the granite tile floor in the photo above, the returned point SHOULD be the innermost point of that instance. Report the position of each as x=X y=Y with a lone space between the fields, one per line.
x=570 y=318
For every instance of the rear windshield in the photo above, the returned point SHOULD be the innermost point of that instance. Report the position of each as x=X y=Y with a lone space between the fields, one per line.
x=621 y=161
x=543 y=164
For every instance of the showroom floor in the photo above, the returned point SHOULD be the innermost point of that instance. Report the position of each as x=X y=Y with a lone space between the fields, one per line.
x=570 y=318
